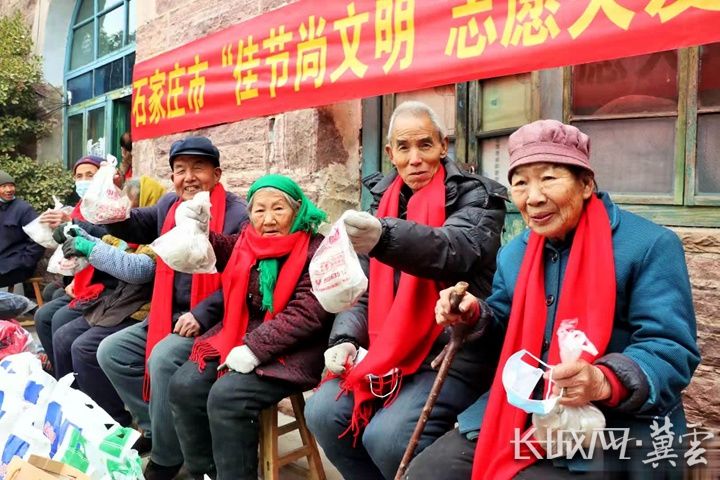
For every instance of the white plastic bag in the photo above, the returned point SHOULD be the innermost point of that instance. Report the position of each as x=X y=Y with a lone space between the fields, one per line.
x=41 y=233
x=104 y=202
x=338 y=280
x=66 y=266
x=564 y=426
x=186 y=247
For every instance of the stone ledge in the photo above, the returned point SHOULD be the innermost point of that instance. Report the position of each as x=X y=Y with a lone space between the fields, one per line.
x=699 y=240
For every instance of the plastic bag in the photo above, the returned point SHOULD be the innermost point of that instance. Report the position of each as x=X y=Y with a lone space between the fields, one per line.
x=12 y=306
x=65 y=266
x=338 y=280
x=564 y=426
x=13 y=338
x=104 y=202
x=41 y=233
x=186 y=247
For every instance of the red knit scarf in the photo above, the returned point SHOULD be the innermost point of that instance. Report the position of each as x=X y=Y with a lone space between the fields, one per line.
x=203 y=284
x=250 y=248
x=83 y=287
x=587 y=293
x=401 y=325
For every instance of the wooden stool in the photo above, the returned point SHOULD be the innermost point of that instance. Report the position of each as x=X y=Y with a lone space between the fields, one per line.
x=270 y=459
x=35 y=281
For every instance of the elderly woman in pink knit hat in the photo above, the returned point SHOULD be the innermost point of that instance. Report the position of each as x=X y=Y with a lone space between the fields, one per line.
x=583 y=265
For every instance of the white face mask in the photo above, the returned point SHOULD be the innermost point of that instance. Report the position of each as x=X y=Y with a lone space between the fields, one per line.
x=520 y=378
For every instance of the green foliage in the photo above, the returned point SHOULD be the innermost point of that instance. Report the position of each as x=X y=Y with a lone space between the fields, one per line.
x=36 y=183
x=21 y=122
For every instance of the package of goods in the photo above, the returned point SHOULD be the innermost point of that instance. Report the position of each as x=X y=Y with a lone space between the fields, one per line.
x=42 y=416
x=104 y=202
x=13 y=338
x=186 y=247
x=12 y=306
x=565 y=426
x=338 y=280
x=41 y=233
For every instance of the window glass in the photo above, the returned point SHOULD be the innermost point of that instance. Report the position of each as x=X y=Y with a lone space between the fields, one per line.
x=85 y=11
x=109 y=77
x=132 y=22
x=646 y=83
x=96 y=124
x=75 y=137
x=81 y=88
x=103 y=4
x=709 y=82
x=82 y=46
x=708 y=154
x=506 y=102
x=633 y=156
x=129 y=65
x=111 y=28
x=495 y=158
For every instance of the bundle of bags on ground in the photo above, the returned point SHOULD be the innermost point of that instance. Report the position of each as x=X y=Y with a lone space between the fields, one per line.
x=49 y=418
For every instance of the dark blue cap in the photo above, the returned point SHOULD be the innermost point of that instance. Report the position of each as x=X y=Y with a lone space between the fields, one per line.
x=199 y=146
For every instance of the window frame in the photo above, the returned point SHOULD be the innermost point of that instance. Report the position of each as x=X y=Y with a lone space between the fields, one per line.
x=105 y=99
x=685 y=208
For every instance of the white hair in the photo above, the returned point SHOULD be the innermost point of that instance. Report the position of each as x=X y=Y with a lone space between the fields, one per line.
x=294 y=204
x=416 y=108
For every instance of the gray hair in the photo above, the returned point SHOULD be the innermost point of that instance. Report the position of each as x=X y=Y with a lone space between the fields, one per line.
x=294 y=204
x=416 y=109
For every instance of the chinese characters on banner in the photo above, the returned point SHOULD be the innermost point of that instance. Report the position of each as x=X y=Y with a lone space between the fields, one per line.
x=312 y=53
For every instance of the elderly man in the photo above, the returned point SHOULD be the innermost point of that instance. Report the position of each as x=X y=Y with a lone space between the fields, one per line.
x=434 y=225
x=182 y=307
x=18 y=253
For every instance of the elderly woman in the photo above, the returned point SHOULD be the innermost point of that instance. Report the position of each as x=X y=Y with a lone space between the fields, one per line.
x=75 y=344
x=621 y=276
x=271 y=339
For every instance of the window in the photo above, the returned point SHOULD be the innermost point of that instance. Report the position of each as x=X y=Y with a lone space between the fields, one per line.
x=653 y=121
x=98 y=74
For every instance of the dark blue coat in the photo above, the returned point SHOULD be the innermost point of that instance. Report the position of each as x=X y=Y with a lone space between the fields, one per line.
x=17 y=250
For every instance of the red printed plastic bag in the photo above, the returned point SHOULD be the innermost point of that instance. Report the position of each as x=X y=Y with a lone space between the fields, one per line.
x=338 y=280
x=13 y=338
x=104 y=202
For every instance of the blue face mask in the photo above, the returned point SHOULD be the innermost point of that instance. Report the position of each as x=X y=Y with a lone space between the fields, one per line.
x=81 y=187
x=519 y=379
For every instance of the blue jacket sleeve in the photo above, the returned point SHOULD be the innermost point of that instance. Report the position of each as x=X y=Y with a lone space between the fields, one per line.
x=33 y=252
x=662 y=319
x=210 y=311
x=128 y=267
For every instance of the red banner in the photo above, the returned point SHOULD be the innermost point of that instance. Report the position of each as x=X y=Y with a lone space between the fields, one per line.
x=314 y=52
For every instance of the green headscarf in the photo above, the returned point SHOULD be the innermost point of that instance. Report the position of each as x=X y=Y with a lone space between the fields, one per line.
x=308 y=218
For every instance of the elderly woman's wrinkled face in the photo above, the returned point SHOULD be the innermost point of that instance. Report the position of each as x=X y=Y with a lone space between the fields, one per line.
x=270 y=214
x=550 y=198
x=416 y=150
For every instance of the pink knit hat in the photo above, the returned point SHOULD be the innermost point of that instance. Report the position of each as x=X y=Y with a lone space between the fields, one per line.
x=549 y=141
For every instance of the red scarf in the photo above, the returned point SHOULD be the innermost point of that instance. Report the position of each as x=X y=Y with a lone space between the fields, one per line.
x=250 y=248
x=587 y=293
x=83 y=288
x=203 y=284
x=401 y=325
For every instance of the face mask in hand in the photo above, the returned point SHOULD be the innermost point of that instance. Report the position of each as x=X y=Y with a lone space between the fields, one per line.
x=520 y=378
x=81 y=187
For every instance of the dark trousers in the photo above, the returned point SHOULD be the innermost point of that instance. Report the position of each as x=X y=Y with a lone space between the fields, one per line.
x=18 y=275
x=382 y=444
x=219 y=418
x=50 y=317
x=75 y=347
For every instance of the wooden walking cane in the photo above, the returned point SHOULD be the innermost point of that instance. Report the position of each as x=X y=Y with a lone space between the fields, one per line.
x=459 y=332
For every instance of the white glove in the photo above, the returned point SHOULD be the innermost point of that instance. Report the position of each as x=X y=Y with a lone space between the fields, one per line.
x=336 y=357
x=363 y=229
x=241 y=359
x=193 y=212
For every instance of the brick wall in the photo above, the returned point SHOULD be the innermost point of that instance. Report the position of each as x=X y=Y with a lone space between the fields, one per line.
x=702 y=251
